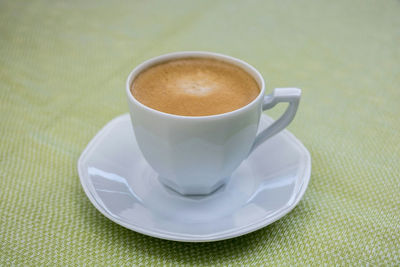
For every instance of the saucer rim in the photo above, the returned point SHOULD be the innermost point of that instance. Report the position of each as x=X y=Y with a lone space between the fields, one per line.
x=221 y=235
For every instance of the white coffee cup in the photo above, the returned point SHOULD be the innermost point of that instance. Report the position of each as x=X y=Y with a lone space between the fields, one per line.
x=197 y=154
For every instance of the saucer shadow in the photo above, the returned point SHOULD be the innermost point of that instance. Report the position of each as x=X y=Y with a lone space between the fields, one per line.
x=167 y=252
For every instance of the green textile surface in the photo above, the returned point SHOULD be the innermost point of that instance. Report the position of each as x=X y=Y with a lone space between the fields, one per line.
x=63 y=66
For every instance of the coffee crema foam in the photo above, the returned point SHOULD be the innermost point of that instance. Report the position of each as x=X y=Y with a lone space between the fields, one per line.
x=195 y=87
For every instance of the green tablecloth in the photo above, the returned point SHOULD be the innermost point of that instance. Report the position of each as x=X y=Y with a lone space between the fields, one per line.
x=63 y=66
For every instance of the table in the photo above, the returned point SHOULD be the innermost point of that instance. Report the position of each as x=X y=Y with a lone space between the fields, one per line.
x=63 y=66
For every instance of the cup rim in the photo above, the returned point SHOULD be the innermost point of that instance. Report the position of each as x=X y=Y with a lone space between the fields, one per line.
x=195 y=54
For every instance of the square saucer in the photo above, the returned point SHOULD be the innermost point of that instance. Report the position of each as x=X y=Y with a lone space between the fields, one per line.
x=125 y=189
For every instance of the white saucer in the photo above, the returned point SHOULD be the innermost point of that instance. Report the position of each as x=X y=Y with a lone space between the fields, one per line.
x=123 y=187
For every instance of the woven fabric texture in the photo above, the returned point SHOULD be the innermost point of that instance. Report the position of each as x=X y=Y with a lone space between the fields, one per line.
x=63 y=66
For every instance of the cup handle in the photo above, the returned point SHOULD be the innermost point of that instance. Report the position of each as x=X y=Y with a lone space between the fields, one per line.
x=290 y=95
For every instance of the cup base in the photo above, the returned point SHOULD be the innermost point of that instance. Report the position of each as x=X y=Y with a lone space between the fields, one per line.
x=192 y=190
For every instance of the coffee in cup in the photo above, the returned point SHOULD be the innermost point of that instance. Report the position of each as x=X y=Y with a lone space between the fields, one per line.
x=195 y=87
